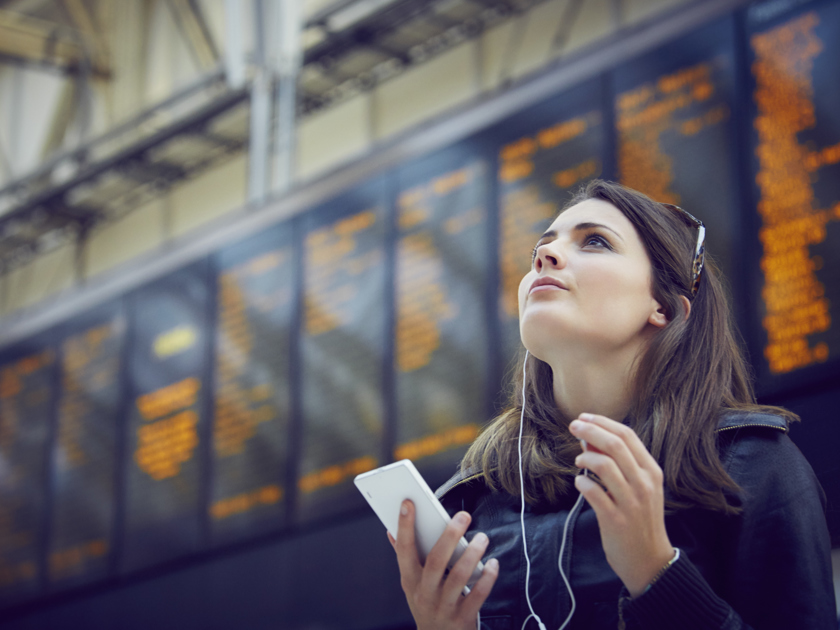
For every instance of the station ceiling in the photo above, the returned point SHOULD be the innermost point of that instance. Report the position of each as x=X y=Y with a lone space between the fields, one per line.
x=350 y=46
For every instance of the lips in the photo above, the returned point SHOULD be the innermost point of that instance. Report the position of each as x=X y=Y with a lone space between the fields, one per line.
x=547 y=283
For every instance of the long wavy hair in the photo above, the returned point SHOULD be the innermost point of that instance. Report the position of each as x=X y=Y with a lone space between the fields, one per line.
x=690 y=372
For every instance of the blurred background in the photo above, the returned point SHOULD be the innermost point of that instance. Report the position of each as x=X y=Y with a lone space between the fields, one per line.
x=252 y=248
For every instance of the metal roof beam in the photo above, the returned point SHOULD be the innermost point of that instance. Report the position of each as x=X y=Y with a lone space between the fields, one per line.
x=388 y=20
x=144 y=171
x=31 y=40
x=97 y=48
x=190 y=21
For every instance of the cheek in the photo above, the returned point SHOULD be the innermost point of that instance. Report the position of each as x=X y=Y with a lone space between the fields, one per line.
x=523 y=290
x=625 y=296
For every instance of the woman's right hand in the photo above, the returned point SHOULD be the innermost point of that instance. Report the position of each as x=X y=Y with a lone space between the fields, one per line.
x=436 y=600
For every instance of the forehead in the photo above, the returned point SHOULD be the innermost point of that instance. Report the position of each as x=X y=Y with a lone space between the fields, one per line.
x=594 y=211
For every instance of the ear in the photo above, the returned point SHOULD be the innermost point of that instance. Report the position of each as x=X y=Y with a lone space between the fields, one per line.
x=659 y=319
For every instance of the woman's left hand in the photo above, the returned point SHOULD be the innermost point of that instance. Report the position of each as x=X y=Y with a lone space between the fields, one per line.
x=631 y=513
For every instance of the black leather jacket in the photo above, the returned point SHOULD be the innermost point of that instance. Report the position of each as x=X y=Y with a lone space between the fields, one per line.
x=768 y=568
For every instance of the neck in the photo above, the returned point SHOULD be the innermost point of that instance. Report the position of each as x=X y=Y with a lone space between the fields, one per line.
x=592 y=384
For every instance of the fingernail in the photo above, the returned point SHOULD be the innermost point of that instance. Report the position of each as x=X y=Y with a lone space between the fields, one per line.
x=403 y=509
x=575 y=425
x=585 y=416
x=462 y=518
x=492 y=563
x=481 y=538
x=577 y=461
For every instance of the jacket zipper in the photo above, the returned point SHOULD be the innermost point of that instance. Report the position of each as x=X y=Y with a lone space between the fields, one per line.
x=742 y=426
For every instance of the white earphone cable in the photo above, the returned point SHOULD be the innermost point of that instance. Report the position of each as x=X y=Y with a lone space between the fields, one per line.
x=560 y=561
x=522 y=522
x=522 y=511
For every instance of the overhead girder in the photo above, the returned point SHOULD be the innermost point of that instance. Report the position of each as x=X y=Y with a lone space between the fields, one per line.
x=379 y=32
x=30 y=40
x=40 y=211
x=147 y=166
x=190 y=20
x=97 y=48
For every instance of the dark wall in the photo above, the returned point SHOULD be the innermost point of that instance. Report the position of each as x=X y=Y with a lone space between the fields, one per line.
x=343 y=576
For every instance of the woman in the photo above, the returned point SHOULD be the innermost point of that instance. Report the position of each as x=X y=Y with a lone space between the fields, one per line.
x=699 y=511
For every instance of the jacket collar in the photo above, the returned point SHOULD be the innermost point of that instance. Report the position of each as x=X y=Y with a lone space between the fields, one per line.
x=456 y=480
x=735 y=419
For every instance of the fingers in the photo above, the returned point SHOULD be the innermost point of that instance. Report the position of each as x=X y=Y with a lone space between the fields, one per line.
x=463 y=569
x=607 y=457
x=618 y=457
x=595 y=496
x=617 y=442
x=406 y=548
x=480 y=590
x=438 y=558
x=606 y=435
x=433 y=595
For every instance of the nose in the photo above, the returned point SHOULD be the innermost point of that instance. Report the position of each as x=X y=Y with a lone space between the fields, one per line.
x=549 y=255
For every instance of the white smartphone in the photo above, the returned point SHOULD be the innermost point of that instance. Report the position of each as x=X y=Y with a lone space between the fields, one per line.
x=386 y=488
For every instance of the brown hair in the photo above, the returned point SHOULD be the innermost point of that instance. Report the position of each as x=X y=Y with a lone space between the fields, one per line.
x=691 y=371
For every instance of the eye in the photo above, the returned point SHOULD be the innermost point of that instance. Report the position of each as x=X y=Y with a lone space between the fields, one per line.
x=596 y=240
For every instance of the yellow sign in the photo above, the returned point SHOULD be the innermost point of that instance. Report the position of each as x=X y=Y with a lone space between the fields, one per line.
x=175 y=341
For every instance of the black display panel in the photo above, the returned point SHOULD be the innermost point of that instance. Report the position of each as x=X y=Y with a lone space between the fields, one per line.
x=544 y=154
x=167 y=381
x=255 y=307
x=675 y=132
x=441 y=349
x=27 y=403
x=795 y=62
x=342 y=349
x=84 y=452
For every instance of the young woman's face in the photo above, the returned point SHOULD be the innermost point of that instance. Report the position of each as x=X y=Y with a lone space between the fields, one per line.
x=589 y=286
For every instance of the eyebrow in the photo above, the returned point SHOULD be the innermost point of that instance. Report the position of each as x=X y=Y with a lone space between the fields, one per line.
x=579 y=227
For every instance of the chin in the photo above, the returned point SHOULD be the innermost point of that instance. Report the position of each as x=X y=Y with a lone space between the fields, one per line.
x=541 y=338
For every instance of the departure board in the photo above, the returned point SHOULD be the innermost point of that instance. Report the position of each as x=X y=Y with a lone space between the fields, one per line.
x=796 y=166
x=675 y=135
x=27 y=398
x=167 y=383
x=545 y=154
x=255 y=306
x=84 y=452
x=442 y=263
x=342 y=349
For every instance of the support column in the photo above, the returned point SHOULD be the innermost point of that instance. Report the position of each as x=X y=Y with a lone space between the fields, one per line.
x=258 y=150
x=277 y=58
x=286 y=63
x=234 y=54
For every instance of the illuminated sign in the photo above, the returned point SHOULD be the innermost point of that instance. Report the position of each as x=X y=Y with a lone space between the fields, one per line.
x=84 y=456
x=791 y=219
x=174 y=341
x=342 y=348
x=255 y=305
